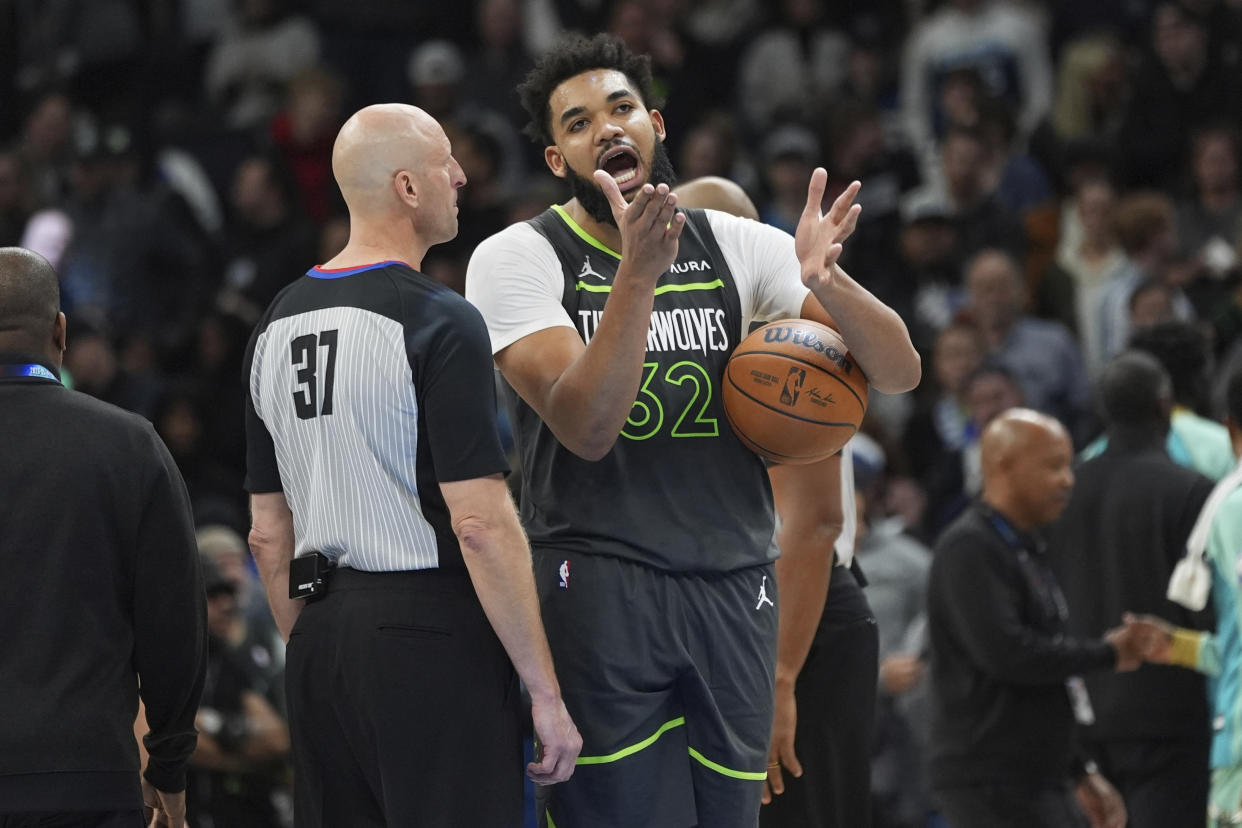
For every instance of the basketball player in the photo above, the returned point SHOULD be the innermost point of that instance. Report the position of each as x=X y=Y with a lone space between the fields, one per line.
x=820 y=757
x=631 y=474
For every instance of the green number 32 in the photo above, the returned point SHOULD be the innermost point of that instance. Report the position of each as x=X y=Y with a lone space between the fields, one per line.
x=647 y=416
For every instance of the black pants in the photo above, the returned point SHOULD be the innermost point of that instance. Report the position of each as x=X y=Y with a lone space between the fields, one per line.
x=403 y=707
x=1014 y=805
x=835 y=693
x=1163 y=781
x=72 y=819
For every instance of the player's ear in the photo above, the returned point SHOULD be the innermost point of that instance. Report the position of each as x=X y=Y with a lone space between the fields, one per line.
x=555 y=160
x=657 y=121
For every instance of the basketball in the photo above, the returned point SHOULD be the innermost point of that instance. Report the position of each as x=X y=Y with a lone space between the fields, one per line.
x=792 y=392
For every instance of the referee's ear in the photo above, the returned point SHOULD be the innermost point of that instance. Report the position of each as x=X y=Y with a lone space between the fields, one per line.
x=407 y=192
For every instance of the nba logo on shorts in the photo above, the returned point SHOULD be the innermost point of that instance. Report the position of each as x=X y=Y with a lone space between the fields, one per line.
x=793 y=385
x=564 y=573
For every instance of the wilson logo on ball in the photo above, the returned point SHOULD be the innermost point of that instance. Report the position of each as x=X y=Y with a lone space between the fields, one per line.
x=792 y=393
x=807 y=339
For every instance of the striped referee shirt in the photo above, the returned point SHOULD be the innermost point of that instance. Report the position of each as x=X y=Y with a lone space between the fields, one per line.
x=368 y=387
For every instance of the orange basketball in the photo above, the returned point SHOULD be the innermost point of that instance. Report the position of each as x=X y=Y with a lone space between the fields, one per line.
x=792 y=392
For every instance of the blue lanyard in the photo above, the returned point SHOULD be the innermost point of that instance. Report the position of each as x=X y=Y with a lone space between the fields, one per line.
x=27 y=370
x=1036 y=571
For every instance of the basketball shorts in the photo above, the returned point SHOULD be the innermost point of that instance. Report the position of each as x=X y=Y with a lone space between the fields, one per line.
x=669 y=678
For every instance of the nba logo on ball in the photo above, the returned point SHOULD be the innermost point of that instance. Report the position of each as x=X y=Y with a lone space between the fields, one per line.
x=793 y=385
x=792 y=393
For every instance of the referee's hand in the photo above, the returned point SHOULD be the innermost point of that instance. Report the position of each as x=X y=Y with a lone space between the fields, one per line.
x=557 y=742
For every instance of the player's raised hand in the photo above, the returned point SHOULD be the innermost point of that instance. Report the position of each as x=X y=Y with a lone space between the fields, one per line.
x=819 y=237
x=650 y=226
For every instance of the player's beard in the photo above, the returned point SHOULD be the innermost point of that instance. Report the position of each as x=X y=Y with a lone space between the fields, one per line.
x=592 y=198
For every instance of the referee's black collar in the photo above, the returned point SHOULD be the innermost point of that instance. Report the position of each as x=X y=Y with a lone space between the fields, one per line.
x=19 y=366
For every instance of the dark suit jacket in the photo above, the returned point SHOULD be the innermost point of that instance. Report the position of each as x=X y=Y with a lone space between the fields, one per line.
x=1113 y=550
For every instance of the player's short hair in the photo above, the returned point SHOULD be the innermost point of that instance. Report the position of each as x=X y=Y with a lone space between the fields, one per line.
x=1184 y=352
x=29 y=291
x=1132 y=390
x=573 y=56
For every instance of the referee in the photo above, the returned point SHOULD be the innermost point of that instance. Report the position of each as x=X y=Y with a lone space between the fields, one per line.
x=376 y=478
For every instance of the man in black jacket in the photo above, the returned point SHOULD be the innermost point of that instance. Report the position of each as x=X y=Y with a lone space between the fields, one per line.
x=103 y=600
x=1004 y=675
x=1114 y=548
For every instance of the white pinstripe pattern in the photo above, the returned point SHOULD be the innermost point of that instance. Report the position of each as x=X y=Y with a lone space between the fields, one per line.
x=349 y=477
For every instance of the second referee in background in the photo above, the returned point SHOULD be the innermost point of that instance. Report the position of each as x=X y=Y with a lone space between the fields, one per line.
x=376 y=478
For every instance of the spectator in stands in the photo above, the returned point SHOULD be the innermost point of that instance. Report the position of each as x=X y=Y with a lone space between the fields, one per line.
x=1087 y=258
x=252 y=630
x=852 y=134
x=789 y=154
x=249 y=69
x=957 y=477
x=303 y=133
x=1091 y=89
x=498 y=57
x=437 y=75
x=712 y=147
x=215 y=489
x=13 y=210
x=45 y=149
x=896 y=566
x=1000 y=41
x=1041 y=354
x=137 y=259
x=268 y=240
x=1209 y=223
x=963 y=184
x=792 y=68
x=1178 y=88
x=1151 y=303
x=1147 y=231
x=236 y=768
x=941 y=427
x=931 y=257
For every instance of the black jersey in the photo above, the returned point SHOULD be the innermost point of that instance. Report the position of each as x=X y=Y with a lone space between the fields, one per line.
x=369 y=387
x=678 y=490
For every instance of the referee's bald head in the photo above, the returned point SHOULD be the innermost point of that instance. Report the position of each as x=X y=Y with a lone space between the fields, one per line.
x=29 y=299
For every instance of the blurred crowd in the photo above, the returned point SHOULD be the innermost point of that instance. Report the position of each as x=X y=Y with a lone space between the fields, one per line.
x=1044 y=183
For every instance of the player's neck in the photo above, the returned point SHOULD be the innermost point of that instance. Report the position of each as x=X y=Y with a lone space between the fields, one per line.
x=606 y=234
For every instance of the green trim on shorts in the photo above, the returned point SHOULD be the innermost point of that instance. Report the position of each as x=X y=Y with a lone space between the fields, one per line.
x=632 y=749
x=721 y=769
x=548 y=813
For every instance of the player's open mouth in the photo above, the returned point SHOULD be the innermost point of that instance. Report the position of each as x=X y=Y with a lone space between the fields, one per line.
x=623 y=165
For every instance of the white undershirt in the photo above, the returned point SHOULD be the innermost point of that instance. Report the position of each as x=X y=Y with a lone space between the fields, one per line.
x=515 y=278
